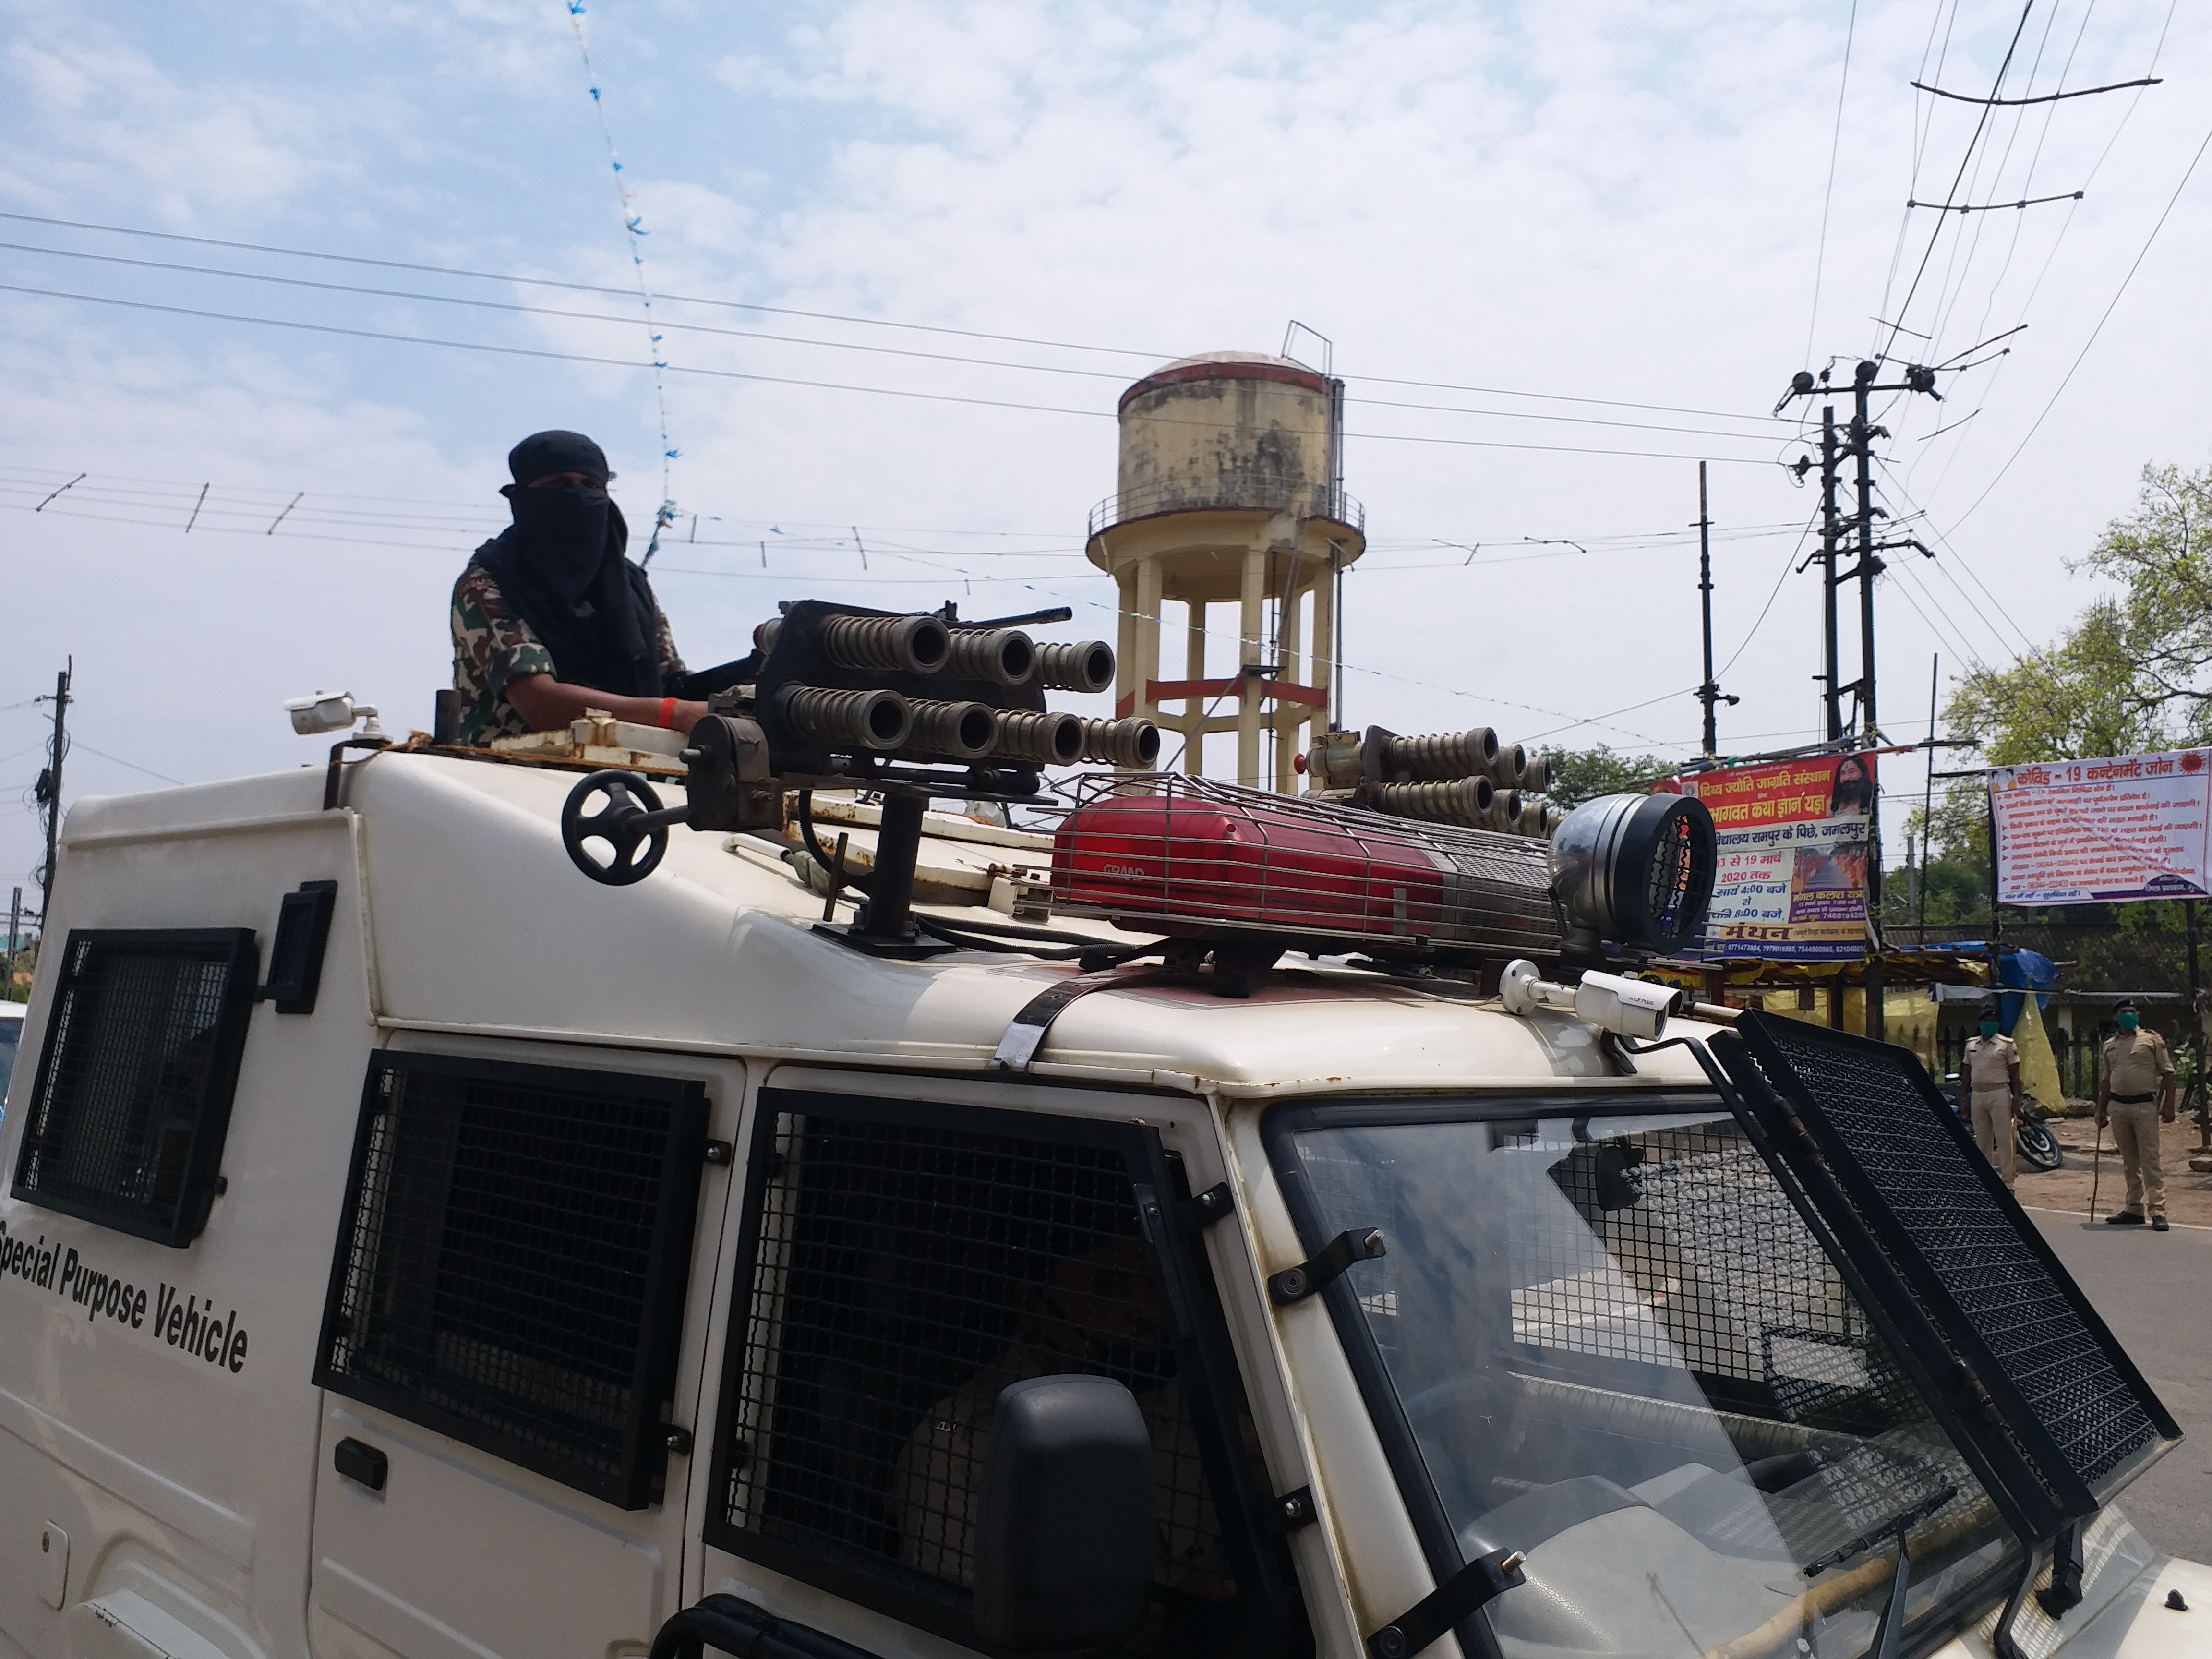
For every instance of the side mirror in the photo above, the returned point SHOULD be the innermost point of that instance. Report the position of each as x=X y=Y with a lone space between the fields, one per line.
x=1065 y=1543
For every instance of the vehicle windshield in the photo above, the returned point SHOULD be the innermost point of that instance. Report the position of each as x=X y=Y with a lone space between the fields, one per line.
x=1611 y=1344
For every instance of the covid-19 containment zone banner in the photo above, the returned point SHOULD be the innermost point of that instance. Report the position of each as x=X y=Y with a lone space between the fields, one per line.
x=1792 y=882
x=2097 y=831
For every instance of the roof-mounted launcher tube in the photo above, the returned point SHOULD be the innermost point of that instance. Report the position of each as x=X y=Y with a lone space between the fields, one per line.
x=1086 y=665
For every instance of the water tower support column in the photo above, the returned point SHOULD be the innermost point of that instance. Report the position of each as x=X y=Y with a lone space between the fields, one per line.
x=1250 y=641
x=1194 y=669
x=1289 y=717
x=1148 y=637
x=1324 y=637
x=1125 y=645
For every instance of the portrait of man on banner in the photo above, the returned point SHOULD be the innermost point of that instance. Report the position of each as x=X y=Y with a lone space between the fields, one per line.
x=1794 y=851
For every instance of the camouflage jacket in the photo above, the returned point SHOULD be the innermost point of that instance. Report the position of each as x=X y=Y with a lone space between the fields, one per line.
x=493 y=645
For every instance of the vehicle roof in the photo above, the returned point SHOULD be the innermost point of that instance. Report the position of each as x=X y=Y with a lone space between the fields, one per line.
x=481 y=924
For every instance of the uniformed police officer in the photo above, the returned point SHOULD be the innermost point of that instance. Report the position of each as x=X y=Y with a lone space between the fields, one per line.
x=1989 y=1094
x=2138 y=1094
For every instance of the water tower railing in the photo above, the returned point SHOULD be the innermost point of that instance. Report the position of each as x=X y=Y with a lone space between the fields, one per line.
x=1307 y=502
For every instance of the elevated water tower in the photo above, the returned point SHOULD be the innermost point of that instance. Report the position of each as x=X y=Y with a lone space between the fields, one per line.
x=1231 y=490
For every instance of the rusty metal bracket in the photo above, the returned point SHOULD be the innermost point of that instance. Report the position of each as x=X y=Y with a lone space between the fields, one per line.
x=1479 y=1582
x=1329 y=1263
x=1026 y=1034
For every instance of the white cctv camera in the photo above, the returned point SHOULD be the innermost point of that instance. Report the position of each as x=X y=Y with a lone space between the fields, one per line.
x=1612 y=1002
x=1626 y=1007
x=334 y=712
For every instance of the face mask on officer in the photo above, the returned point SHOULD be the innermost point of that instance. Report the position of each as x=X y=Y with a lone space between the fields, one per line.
x=559 y=498
x=2129 y=1020
x=1989 y=1028
x=566 y=524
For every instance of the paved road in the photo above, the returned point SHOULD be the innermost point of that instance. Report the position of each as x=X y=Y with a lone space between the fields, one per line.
x=2147 y=1286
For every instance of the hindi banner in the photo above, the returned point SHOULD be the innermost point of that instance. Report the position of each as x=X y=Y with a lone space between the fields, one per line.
x=2101 y=831
x=1792 y=884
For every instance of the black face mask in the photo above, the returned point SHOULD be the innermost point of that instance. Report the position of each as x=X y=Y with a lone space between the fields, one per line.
x=565 y=532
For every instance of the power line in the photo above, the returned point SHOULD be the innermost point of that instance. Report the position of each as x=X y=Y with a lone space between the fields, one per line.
x=543 y=355
x=754 y=337
x=76 y=743
x=1828 y=199
x=1952 y=548
x=254 y=513
x=2012 y=246
x=1149 y=356
x=1951 y=195
x=1752 y=632
x=2096 y=169
x=2102 y=319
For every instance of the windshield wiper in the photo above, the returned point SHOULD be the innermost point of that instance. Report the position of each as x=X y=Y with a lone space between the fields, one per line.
x=1890 y=1630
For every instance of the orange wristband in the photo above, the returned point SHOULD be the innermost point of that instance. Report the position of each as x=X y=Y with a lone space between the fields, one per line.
x=668 y=711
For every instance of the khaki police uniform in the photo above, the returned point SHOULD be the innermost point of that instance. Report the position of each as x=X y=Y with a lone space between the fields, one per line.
x=2138 y=1065
x=1989 y=1065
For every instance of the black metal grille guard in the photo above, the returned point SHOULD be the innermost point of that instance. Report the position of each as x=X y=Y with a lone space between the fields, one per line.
x=2031 y=1384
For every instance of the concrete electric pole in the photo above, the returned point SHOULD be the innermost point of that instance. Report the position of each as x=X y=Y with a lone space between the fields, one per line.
x=48 y=791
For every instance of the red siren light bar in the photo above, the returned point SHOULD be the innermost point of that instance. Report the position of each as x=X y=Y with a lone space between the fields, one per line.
x=1190 y=857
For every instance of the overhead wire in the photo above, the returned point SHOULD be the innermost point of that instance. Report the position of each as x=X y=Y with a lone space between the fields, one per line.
x=1960 y=446
x=547 y=355
x=1773 y=592
x=218 y=512
x=77 y=742
x=1923 y=129
x=1152 y=356
x=1951 y=195
x=2103 y=317
x=2073 y=210
x=1919 y=514
x=754 y=336
x=1828 y=196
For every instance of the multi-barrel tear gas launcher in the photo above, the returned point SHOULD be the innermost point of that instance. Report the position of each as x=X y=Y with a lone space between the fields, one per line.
x=1435 y=850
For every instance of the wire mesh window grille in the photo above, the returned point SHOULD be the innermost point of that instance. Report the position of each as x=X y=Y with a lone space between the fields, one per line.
x=132 y=1102
x=1626 y=1323
x=512 y=1263
x=1879 y=1102
x=902 y=1274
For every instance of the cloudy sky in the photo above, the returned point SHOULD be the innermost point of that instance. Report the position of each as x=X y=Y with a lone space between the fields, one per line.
x=907 y=253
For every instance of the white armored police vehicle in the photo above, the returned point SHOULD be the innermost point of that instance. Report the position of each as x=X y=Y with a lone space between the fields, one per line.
x=455 y=1208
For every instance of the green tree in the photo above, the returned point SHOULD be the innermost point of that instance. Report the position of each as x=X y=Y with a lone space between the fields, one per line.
x=1581 y=775
x=2134 y=671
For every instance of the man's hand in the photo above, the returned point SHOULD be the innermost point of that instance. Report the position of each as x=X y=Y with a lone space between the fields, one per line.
x=549 y=704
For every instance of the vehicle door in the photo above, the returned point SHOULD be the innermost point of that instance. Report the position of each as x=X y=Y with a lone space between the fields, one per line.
x=510 y=1356
x=906 y=1248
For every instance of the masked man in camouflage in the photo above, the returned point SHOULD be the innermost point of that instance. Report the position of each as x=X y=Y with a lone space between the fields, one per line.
x=549 y=619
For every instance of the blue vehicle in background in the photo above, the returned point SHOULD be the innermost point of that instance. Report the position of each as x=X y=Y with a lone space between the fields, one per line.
x=11 y=1029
